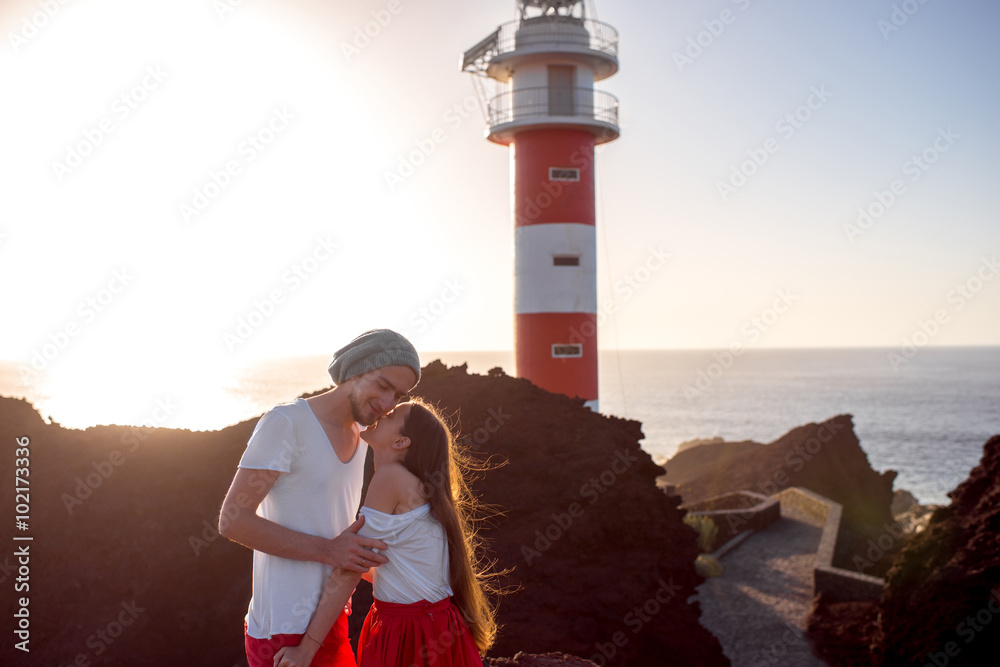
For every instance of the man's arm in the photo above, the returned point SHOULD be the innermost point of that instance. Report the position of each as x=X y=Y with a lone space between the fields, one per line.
x=336 y=592
x=239 y=522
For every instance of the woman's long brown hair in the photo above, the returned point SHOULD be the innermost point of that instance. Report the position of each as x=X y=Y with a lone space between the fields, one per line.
x=433 y=457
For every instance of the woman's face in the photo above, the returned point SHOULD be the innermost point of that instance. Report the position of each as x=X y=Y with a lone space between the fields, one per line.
x=388 y=429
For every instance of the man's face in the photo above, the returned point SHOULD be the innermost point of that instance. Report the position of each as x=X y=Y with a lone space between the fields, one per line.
x=377 y=392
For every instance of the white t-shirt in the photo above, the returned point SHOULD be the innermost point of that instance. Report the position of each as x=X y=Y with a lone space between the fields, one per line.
x=317 y=495
x=418 y=556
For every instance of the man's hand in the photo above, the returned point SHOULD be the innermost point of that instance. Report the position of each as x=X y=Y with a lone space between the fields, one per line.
x=350 y=551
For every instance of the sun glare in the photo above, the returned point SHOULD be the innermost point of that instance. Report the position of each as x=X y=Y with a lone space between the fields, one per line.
x=160 y=146
x=152 y=393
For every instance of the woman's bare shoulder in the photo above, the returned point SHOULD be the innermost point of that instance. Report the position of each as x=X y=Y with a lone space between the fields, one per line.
x=394 y=489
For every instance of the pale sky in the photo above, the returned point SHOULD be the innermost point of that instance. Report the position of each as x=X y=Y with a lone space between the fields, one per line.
x=170 y=169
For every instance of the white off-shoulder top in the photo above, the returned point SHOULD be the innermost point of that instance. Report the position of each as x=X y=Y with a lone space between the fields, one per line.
x=417 y=552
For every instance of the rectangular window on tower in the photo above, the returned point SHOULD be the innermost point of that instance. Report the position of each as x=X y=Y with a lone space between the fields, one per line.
x=565 y=260
x=562 y=79
x=564 y=174
x=564 y=351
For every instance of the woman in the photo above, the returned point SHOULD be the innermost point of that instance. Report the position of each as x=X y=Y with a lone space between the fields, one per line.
x=430 y=598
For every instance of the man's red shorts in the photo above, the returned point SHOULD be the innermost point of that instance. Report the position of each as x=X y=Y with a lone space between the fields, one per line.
x=335 y=652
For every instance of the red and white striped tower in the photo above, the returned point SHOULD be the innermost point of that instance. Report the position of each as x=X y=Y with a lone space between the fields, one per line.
x=542 y=68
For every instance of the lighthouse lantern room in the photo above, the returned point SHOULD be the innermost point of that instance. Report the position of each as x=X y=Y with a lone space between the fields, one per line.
x=536 y=77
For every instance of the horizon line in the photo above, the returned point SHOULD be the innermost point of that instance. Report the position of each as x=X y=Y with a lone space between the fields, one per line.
x=8 y=360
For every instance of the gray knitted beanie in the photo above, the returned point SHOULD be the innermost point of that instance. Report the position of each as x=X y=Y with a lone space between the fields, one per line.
x=373 y=349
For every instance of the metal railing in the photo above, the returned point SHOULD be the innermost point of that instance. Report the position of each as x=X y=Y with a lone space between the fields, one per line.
x=526 y=103
x=558 y=31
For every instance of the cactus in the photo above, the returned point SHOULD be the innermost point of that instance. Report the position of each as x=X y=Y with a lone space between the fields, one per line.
x=707 y=530
x=706 y=564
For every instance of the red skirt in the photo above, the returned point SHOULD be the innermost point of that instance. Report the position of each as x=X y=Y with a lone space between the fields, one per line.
x=422 y=634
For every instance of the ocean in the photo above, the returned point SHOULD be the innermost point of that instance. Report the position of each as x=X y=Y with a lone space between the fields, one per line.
x=926 y=417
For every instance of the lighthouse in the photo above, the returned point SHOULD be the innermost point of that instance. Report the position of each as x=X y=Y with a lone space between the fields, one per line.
x=536 y=75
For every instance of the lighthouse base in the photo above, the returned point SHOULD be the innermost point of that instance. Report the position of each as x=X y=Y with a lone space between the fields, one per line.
x=558 y=352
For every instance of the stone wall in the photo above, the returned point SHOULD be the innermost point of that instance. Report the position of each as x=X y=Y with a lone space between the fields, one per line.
x=736 y=512
x=837 y=583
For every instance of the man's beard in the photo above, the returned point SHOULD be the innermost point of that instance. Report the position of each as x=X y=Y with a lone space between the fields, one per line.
x=357 y=413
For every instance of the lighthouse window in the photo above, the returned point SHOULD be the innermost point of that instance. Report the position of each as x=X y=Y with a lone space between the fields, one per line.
x=563 y=174
x=567 y=351
x=565 y=260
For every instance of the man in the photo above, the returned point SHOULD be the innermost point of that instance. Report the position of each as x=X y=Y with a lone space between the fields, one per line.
x=298 y=487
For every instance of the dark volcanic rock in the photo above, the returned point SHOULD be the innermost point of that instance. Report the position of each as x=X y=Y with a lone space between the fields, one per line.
x=547 y=660
x=944 y=588
x=941 y=603
x=691 y=463
x=591 y=540
x=126 y=557
x=826 y=458
x=843 y=632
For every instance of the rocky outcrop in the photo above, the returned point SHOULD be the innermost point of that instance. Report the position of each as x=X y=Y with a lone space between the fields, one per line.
x=546 y=660
x=941 y=602
x=902 y=500
x=842 y=632
x=942 y=596
x=602 y=558
x=825 y=458
x=126 y=557
x=698 y=458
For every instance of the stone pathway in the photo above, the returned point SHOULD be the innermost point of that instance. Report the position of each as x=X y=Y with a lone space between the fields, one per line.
x=757 y=607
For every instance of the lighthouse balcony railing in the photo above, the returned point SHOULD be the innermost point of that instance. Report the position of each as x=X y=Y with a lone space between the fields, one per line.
x=579 y=104
x=557 y=32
